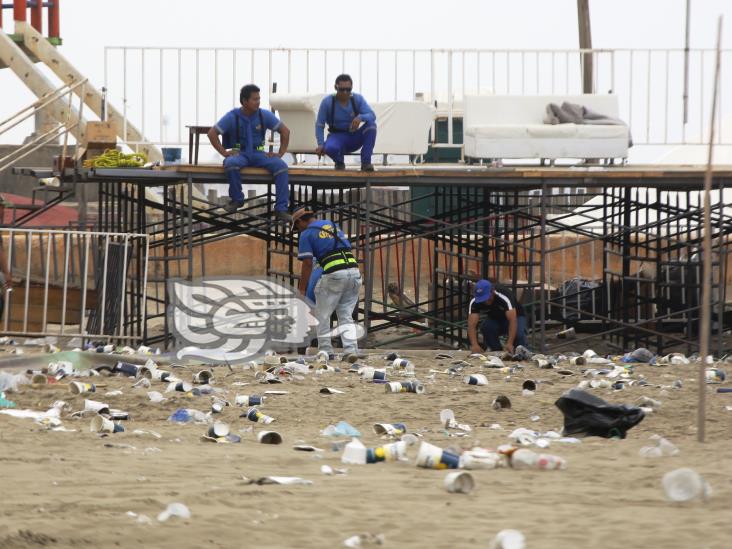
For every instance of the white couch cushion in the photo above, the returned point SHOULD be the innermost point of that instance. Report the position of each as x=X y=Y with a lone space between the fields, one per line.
x=601 y=131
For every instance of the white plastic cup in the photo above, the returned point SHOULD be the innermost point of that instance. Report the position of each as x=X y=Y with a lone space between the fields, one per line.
x=393 y=387
x=202 y=377
x=480 y=459
x=269 y=437
x=94 y=406
x=79 y=388
x=524 y=459
x=392 y=429
x=685 y=485
x=354 y=453
x=430 y=456
x=218 y=430
x=508 y=539
x=459 y=482
x=100 y=424
x=476 y=379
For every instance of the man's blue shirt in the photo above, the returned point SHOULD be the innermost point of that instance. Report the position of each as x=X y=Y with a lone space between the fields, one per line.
x=342 y=115
x=251 y=132
x=317 y=240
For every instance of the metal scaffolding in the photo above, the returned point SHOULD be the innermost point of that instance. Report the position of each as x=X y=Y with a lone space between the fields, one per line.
x=612 y=252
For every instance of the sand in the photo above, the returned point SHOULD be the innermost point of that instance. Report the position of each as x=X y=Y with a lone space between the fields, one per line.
x=64 y=489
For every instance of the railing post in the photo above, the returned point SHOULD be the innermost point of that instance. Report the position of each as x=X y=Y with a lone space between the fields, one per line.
x=54 y=12
x=19 y=10
x=37 y=16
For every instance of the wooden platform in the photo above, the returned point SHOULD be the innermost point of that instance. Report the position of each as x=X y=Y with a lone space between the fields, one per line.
x=667 y=177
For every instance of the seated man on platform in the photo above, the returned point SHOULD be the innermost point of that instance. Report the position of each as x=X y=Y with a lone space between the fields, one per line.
x=351 y=125
x=243 y=131
x=501 y=314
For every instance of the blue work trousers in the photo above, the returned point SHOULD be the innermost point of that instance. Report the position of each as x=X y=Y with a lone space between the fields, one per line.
x=273 y=164
x=341 y=143
x=493 y=328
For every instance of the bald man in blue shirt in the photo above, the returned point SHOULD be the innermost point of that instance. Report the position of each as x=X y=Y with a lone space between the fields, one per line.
x=351 y=125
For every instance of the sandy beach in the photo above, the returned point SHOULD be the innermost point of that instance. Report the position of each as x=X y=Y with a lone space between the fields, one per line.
x=64 y=489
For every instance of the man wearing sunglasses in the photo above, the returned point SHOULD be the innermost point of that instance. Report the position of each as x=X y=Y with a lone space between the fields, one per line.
x=351 y=125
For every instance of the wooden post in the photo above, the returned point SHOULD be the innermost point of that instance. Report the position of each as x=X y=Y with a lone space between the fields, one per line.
x=54 y=12
x=686 y=62
x=585 y=43
x=705 y=327
x=19 y=10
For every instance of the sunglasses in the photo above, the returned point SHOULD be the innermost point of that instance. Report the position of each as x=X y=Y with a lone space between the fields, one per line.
x=344 y=89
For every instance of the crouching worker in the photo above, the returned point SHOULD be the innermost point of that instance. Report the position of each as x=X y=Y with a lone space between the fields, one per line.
x=339 y=285
x=496 y=312
x=243 y=131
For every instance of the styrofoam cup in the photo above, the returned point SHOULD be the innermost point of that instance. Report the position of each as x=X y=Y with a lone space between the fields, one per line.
x=269 y=437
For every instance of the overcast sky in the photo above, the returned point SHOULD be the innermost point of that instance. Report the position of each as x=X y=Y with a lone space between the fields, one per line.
x=87 y=26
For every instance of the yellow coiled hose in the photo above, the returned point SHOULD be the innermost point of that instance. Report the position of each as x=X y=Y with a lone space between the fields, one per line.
x=112 y=158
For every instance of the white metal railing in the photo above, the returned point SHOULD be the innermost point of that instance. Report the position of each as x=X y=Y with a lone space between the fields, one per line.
x=164 y=89
x=44 y=260
x=61 y=129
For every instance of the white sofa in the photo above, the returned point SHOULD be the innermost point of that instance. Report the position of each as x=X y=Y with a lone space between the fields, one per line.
x=403 y=126
x=509 y=126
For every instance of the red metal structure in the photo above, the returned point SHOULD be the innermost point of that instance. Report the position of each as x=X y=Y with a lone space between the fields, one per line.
x=20 y=13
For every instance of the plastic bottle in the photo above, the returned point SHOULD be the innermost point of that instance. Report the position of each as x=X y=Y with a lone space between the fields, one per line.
x=685 y=485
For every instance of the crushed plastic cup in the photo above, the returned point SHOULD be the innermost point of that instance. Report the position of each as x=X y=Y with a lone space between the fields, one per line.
x=685 y=484
x=175 y=510
x=253 y=414
x=372 y=374
x=715 y=375
x=390 y=429
x=475 y=379
x=508 y=539
x=524 y=458
x=662 y=448
x=155 y=396
x=459 y=482
x=478 y=458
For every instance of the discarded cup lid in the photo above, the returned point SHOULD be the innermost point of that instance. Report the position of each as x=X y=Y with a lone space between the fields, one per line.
x=501 y=402
x=459 y=482
x=175 y=510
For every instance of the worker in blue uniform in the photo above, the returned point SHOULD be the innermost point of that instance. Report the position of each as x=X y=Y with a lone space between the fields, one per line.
x=243 y=131
x=339 y=285
x=351 y=125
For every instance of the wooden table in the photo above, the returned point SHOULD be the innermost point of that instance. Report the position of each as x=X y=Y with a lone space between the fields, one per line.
x=194 y=141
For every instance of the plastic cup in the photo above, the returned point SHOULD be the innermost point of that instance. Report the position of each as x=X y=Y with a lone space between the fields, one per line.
x=388 y=452
x=202 y=377
x=130 y=370
x=430 y=456
x=79 y=388
x=393 y=387
x=100 y=424
x=529 y=385
x=501 y=402
x=476 y=379
x=94 y=406
x=393 y=429
x=685 y=485
x=459 y=482
x=39 y=379
x=258 y=417
x=218 y=430
x=183 y=387
x=269 y=437
x=248 y=400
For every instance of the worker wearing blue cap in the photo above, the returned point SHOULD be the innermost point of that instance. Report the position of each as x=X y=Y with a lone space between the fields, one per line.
x=501 y=314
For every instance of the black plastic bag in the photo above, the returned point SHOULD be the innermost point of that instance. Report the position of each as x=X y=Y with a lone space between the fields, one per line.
x=586 y=414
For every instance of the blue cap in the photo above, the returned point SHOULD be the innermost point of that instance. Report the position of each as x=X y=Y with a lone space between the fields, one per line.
x=483 y=290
